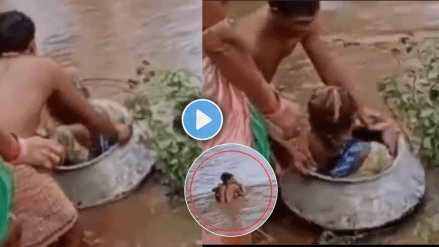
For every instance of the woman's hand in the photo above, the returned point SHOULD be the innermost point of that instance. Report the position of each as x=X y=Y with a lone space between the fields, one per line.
x=375 y=121
x=40 y=152
x=124 y=133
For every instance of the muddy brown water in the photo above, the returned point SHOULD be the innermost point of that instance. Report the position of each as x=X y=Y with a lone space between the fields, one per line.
x=239 y=214
x=109 y=39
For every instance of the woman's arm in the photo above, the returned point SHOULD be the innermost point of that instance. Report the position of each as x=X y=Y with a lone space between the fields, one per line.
x=222 y=194
x=240 y=191
x=35 y=151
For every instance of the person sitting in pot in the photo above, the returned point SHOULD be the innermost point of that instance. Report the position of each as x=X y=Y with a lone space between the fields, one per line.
x=332 y=115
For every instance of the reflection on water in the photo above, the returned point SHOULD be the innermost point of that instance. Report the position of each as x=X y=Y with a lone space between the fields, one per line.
x=103 y=38
x=238 y=214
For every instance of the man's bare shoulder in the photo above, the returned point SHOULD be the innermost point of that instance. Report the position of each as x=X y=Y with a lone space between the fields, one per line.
x=45 y=68
x=42 y=62
x=40 y=66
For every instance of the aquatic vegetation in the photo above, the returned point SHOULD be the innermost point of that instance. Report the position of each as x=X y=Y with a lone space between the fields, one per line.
x=159 y=99
x=414 y=98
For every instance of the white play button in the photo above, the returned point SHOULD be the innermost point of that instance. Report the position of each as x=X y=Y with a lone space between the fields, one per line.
x=201 y=119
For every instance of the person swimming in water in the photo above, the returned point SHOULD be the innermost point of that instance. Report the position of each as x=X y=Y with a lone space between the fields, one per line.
x=332 y=115
x=229 y=189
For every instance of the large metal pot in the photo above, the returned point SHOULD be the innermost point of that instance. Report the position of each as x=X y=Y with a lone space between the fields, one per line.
x=110 y=176
x=358 y=203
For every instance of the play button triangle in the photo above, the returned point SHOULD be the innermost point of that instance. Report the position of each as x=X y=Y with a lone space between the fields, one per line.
x=201 y=119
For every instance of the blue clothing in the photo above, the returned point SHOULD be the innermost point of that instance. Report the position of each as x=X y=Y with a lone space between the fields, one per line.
x=347 y=161
x=104 y=143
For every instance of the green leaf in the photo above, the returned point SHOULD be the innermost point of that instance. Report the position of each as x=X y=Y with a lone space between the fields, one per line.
x=426 y=112
x=415 y=97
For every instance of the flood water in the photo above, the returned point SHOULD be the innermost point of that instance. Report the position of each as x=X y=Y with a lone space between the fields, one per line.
x=363 y=36
x=102 y=39
x=108 y=39
x=237 y=215
x=236 y=159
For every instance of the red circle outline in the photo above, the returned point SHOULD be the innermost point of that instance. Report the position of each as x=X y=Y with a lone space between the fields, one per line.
x=219 y=229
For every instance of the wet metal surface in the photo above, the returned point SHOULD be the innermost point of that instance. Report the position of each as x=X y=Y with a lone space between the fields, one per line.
x=112 y=175
x=362 y=203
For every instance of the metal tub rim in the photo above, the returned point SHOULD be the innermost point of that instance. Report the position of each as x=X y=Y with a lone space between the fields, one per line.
x=395 y=164
x=111 y=181
x=89 y=162
x=350 y=218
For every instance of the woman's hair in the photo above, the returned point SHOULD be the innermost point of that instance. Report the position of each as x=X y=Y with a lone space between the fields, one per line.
x=331 y=110
x=226 y=177
x=296 y=7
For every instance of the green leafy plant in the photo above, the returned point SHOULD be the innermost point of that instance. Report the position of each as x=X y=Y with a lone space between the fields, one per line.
x=157 y=104
x=414 y=96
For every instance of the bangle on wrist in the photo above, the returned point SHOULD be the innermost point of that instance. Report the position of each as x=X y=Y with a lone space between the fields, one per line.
x=14 y=150
x=22 y=151
x=278 y=108
x=272 y=107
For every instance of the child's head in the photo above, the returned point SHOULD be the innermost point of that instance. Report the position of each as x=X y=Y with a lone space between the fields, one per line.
x=305 y=11
x=225 y=177
x=17 y=32
x=332 y=111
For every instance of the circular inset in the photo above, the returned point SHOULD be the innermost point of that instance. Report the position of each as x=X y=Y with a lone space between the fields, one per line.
x=202 y=119
x=231 y=190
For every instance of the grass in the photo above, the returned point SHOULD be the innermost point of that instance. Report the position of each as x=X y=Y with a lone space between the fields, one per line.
x=157 y=104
